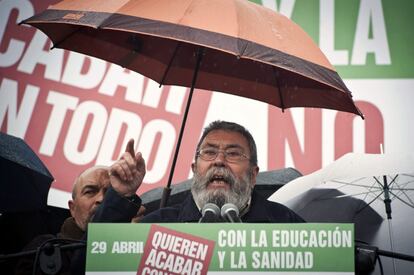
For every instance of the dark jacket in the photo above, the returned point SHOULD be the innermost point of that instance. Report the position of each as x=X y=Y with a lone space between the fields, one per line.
x=261 y=211
x=115 y=208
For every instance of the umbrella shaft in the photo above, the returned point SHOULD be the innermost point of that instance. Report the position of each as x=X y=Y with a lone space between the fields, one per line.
x=387 y=203
x=387 y=200
x=395 y=255
x=180 y=136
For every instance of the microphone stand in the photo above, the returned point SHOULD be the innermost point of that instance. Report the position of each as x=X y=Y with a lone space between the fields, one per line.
x=18 y=255
x=366 y=257
x=374 y=249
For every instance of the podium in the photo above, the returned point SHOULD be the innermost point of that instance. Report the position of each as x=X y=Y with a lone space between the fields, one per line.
x=230 y=248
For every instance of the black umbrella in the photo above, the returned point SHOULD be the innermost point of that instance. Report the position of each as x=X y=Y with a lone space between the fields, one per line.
x=330 y=205
x=25 y=179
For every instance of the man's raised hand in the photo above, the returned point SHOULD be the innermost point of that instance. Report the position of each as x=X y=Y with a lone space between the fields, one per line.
x=128 y=172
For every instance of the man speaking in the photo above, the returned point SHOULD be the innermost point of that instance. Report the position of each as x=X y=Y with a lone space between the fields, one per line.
x=225 y=170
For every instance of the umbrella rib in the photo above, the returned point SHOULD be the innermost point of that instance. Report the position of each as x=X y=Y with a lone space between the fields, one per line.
x=369 y=192
x=369 y=203
x=403 y=201
x=404 y=184
x=405 y=194
x=169 y=64
x=369 y=188
x=55 y=45
x=357 y=185
x=282 y=104
x=403 y=189
x=377 y=180
x=243 y=47
x=393 y=181
x=352 y=195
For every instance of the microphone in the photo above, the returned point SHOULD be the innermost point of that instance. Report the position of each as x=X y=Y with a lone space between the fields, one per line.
x=230 y=213
x=210 y=213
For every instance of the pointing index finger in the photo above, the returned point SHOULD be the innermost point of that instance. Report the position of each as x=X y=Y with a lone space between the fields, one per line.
x=130 y=147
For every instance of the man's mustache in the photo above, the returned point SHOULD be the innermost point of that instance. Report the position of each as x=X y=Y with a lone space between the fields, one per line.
x=220 y=173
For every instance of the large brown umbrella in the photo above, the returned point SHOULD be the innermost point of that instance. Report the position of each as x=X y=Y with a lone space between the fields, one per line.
x=231 y=46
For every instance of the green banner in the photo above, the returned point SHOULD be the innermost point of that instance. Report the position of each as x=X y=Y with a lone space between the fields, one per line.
x=361 y=38
x=198 y=248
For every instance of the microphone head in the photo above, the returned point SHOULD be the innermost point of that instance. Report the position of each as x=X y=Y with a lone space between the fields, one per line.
x=227 y=208
x=210 y=207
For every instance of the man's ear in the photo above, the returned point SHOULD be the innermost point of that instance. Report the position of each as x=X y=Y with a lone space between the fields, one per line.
x=193 y=166
x=255 y=171
x=71 y=205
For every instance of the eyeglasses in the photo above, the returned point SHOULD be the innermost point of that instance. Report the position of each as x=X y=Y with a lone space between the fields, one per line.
x=230 y=154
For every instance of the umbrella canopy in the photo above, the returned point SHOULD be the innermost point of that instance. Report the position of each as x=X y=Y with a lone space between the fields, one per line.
x=384 y=181
x=25 y=179
x=236 y=47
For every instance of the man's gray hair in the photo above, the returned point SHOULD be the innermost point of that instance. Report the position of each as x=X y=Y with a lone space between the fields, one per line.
x=231 y=127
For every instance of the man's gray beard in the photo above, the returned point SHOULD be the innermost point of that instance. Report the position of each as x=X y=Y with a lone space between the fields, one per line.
x=239 y=191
